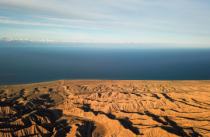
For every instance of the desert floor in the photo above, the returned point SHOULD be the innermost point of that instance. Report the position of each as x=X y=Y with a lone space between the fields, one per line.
x=105 y=108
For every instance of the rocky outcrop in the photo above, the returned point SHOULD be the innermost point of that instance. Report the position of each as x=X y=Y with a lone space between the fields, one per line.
x=20 y=117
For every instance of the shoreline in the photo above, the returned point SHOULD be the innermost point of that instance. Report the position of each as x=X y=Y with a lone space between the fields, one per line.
x=92 y=80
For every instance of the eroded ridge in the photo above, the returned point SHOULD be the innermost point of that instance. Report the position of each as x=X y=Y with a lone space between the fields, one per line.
x=131 y=108
x=22 y=117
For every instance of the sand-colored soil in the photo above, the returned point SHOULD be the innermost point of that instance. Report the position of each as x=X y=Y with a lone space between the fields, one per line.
x=103 y=108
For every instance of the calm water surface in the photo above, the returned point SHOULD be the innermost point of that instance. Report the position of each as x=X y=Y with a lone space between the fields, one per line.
x=29 y=62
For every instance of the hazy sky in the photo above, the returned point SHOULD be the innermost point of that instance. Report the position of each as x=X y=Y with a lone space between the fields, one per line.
x=120 y=21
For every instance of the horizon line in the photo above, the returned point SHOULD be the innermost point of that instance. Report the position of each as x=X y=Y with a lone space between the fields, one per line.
x=128 y=45
x=95 y=42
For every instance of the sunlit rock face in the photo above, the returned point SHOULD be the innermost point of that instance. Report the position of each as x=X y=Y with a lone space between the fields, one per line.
x=108 y=108
x=23 y=117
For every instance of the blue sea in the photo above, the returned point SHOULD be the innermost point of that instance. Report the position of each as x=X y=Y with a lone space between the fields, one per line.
x=26 y=62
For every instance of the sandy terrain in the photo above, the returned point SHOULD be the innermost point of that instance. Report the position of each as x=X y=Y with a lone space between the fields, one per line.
x=99 y=108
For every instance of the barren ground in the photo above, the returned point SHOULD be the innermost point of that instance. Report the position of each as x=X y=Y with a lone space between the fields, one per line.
x=104 y=108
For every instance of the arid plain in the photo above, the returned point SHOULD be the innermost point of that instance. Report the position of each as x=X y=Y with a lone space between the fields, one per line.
x=105 y=108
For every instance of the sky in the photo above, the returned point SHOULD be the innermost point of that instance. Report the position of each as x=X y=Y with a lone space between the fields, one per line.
x=181 y=22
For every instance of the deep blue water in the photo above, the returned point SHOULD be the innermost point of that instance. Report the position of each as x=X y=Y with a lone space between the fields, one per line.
x=34 y=62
